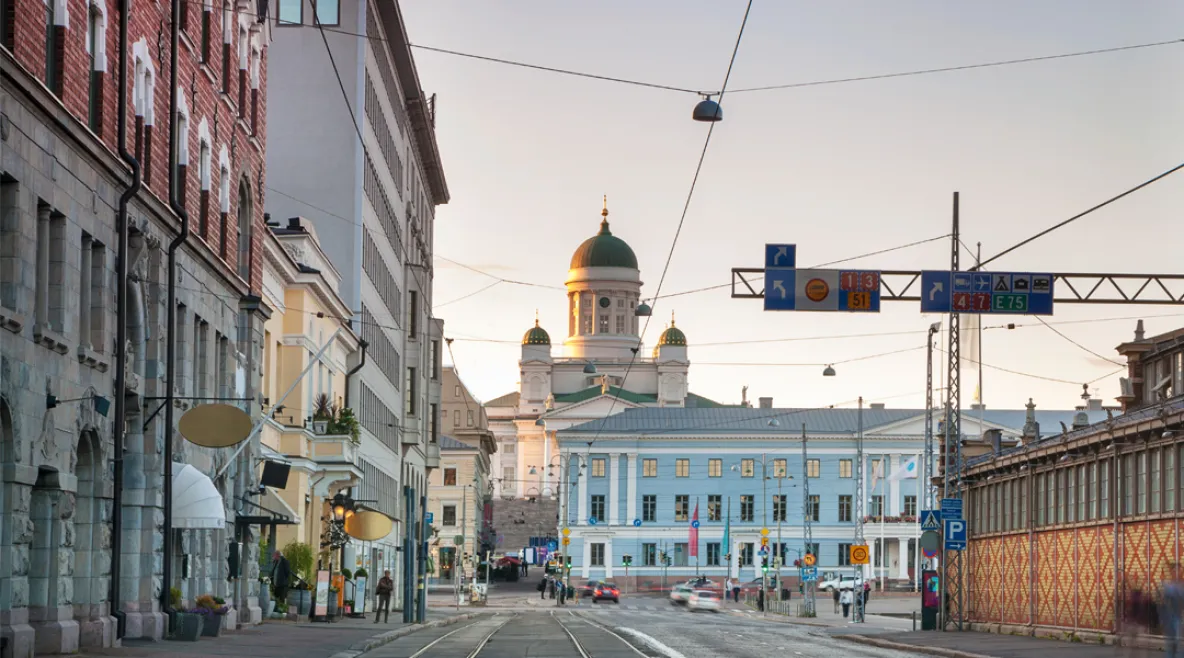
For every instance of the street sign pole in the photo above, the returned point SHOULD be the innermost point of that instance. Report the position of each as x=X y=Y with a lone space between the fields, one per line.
x=861 y=491
x=807 y=526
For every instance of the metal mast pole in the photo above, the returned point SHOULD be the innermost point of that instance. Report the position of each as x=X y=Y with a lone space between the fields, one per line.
x=764 y=526
x=927 y=494
x=807 y=527
x=860 y=493
x=780 y=547
x=952 y=444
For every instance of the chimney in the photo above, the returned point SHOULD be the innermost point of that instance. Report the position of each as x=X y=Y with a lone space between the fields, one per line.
x=1080 y=419
x=1095 y=404
x=294 y=224
x=744 y=396
x=766 y=403
x=994 y=438
x=1139 y=335
x=876 y=405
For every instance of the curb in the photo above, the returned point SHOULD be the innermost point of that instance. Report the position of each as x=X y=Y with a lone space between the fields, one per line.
x=899 y=646
x=776 y=619
x=375 y=641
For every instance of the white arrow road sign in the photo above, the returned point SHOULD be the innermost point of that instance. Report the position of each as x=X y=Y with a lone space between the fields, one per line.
x=777 y=286
x=781 y=251
x=937 y=287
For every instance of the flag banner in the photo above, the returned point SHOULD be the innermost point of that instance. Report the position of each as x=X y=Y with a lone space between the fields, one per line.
x=877 y=471
x=693 y=536
x=906 y=470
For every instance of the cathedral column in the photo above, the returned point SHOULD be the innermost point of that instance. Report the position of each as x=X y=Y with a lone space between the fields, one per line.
x=631 y=487
x=581 y=478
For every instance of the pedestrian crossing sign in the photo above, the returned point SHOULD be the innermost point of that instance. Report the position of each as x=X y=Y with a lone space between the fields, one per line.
x=930 y=520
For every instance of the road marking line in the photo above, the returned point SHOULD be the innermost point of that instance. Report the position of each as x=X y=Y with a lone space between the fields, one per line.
x=436 y=641
x=651 y=643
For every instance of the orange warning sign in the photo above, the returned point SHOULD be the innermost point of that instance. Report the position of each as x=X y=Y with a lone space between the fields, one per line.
x=859 y=554
x=817 y=290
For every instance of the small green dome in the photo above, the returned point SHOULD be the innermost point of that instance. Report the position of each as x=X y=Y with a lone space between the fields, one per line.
x=604 y=249
x=672 y=336
x=536 y=336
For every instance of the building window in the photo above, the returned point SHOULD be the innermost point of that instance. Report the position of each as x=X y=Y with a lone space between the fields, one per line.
x=327 y=12
x=587 y=324
x=680 y=554
x=715 y=504
x=448 y=516
x=649 y=555
x=413 y=314
x=649 y=468
x=204 y=161
x=508 y=448
x=7 y=18
x=844 y=468
x=246 y=213
x=813 y=507
x=620 y=324
x=713 y=554
x=649 y=508
x=779 y=507
x=206 y=19
x=1169 y=472
x=910 y=505
x=597 y=559
x=52 y=60
x=290 y=12
x=1104 y=488
x=450 y=477
x=844 y=555
x=96 y=46
x=469 y=418
x=456 y=391
x=1128 y=485
x=747 y=468
x=598 y=467
x=746 y=509
x=455 y=418
x=597 y=511
x=715 y=468
x=436 y=359
x=1141 y=481
x=813 y=468
x=682 y=468
x=746 y=554
x=412 y=392
x=779 y=469
x=682 y=505
x=92 y=291
x=877 y=506
x=845 y=509
x=51 y=268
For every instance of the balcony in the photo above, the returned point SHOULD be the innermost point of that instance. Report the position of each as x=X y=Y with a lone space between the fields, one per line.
x=433 y=455
x=901 y=518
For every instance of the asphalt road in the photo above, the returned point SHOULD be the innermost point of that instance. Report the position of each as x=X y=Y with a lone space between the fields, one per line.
x=617 y=632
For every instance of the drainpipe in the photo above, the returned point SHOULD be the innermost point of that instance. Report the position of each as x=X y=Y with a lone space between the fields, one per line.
x=171 y=311
x=121 y=333
x=353 y=371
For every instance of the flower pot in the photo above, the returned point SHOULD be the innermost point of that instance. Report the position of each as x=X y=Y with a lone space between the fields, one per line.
x=320 y=427
x=300 y=601
x=212 y=626
x=332 y=604
x=189 y=627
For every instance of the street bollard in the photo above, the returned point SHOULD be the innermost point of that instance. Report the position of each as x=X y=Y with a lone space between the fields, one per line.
x=914 y=621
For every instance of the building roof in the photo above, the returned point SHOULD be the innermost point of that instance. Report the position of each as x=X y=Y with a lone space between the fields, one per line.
x=536 y=335
x=672 y=336
x=615 y=391
x=449 y=443
x=732 y=420
x=604 y=250
x=507 y=400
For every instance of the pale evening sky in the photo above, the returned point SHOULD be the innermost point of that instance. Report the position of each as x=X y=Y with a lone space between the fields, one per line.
x=839 y=170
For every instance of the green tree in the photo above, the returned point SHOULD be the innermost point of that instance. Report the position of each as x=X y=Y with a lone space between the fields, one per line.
x=299 y=557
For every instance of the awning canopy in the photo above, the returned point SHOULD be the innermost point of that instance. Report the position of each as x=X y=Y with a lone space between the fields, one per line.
x=196 y=501
x=274 y=503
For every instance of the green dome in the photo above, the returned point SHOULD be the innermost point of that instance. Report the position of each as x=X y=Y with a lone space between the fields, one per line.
x=672 y=336
x=536 y=336
x=604 y=250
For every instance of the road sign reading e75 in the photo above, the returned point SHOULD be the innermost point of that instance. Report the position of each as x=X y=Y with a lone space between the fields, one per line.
x=1015 y=293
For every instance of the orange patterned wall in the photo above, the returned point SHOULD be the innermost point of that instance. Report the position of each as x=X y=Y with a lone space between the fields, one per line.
x=1074 y=569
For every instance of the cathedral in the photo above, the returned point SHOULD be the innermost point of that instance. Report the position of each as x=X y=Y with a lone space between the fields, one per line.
x=601 y=369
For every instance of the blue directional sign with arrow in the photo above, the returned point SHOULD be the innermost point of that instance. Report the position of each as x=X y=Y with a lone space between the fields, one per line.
x=1010 y=293
x=790 y=289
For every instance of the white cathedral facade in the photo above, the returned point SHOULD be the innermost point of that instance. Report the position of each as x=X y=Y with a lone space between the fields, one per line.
x=601 y=369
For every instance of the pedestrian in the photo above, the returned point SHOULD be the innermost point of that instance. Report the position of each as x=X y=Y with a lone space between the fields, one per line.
x=760 y=599
x=1136 y=619
x=867 y=594
x=383 y=591
x=835 y=592
x=736 y=590
x=845 y=600
x=1170 y=611
x=542 y=588
x=281 y=575
x=551 y=587
x=562 y=592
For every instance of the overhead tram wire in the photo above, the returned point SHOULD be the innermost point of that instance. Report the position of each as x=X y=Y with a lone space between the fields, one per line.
x=685 y=208
x=1077 y=344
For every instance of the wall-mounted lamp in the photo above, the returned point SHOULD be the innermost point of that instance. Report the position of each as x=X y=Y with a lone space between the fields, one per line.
x=102 y=404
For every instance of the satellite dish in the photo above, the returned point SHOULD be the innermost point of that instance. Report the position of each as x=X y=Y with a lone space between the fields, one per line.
x=368 y=525
x=215 y=425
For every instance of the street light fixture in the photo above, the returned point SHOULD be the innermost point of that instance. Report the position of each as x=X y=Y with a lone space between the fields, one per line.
x=828 y=371
x=708 y=111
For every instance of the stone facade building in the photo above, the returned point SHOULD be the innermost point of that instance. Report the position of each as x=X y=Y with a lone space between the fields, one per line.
x=81 y=544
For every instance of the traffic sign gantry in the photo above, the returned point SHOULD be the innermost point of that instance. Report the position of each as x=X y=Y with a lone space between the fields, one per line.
x=1011 y=293
x=790 y=289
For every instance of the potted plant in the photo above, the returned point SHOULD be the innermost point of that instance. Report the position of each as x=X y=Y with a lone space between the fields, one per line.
x=349 y=606
x=212 y=609
x=300 y=560
x=322 y=414
x=186 y=627
x=333 y=591
x=265 y=601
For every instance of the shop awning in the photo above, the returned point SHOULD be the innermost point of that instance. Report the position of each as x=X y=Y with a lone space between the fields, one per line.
x=196 y=501
x=272 y=502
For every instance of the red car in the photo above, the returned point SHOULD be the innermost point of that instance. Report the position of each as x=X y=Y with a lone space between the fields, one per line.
x=606 y=592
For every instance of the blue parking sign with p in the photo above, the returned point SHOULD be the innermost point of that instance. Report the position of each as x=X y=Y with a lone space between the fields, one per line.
x=955 y=534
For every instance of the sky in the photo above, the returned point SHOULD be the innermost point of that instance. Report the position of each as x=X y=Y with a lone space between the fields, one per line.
x=840 y=170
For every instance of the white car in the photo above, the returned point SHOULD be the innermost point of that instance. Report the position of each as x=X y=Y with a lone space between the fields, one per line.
x=842 y=583
x=704 y=599
x=680 y=594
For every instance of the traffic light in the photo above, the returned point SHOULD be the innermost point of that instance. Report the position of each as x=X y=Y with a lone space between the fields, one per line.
x=662 y=557
x=797 y=563
x=627 y=560
x=569 y=563
x=764 y=563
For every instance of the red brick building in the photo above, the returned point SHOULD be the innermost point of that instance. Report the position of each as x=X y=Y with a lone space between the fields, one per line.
x=81 y=560
x=1064 y=528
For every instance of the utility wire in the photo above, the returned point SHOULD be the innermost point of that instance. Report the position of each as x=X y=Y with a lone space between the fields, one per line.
x=1079 y=345
x=1078 y=216
x=685 y=208
x=965 y=67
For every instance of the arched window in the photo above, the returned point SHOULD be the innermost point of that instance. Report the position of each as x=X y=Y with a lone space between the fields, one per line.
x=227 y=36
x=246 y=212
x=244 y=62
x=144 y=99
x=96 y=48
x=182 y=163
x=204 y=157
x=223 y=199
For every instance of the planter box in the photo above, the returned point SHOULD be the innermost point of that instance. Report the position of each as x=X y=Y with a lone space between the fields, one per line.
x=212 y=626
x=189 y=627
x=300 y=601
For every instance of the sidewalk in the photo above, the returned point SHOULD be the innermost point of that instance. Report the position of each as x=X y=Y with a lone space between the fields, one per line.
x=969 y=644
x=282 y=639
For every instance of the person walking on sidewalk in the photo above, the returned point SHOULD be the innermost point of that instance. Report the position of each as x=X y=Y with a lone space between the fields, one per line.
x=281 y=576
x=845 y=600
x=1170 y=613
x=835 y=593
x=383 y=590
x=736 y=590
x=542 y=588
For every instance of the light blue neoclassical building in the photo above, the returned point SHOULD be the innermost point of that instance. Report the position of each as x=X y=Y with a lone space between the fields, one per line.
x=632 y=481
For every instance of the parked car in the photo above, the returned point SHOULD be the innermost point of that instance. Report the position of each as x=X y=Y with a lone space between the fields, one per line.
x=680 y=594
x=606 y=592
x=840 y=583
x=701 y=582
x=704 y=599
